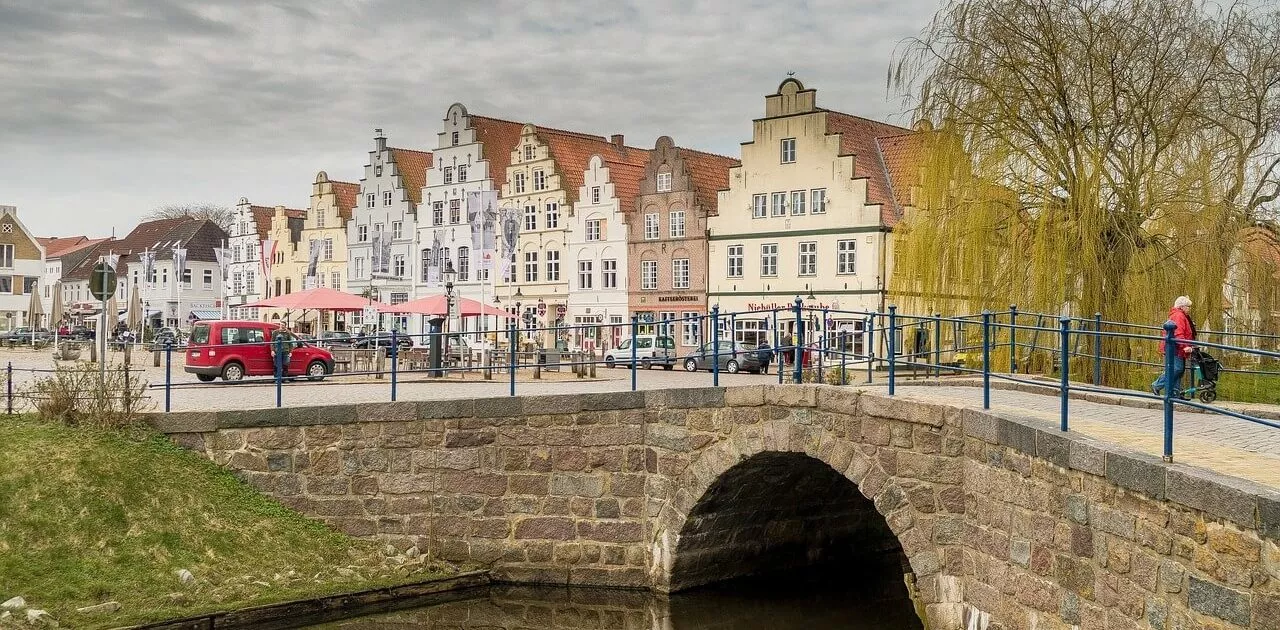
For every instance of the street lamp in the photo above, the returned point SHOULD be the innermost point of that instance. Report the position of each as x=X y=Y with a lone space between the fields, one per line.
x=450 y=274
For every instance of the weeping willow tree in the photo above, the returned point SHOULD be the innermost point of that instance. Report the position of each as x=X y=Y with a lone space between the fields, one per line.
x=1087 y=155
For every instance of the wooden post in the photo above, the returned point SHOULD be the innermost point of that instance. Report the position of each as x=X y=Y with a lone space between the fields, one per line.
x=379 y=361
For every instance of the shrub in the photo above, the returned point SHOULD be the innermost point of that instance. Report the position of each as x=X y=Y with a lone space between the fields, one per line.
x=79 y=396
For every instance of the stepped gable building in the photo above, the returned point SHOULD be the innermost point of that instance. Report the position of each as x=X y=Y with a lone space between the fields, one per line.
x=809 y=212
x=597 y=244
x=331 y=206
x=667 y=239
x=471 y=156
x=22 y=265
x=382 y=231
x=546 y=172
x=246 y=270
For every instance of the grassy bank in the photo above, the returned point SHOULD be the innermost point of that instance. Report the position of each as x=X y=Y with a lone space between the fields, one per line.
x=90 y=516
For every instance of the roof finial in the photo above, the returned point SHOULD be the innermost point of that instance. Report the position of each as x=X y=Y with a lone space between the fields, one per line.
x=791 y=73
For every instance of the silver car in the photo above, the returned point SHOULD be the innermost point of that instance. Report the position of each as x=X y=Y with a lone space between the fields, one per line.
x=651 y=350
x=733 y=358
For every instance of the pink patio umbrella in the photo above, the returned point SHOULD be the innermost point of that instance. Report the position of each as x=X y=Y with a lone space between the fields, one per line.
x=318 y=299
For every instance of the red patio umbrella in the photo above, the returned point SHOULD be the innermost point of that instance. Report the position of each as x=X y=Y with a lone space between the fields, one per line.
x=439 y=305
x=318 y=299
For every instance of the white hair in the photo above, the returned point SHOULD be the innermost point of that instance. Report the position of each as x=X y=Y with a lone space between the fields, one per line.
x=1182 y=301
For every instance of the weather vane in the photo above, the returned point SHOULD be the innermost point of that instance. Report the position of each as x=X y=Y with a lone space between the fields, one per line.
x=791 y=73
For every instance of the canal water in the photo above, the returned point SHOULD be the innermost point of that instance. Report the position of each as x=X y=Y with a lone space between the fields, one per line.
x=799 y=602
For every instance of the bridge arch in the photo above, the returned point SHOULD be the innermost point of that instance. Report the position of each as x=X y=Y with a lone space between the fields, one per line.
x=819 y=491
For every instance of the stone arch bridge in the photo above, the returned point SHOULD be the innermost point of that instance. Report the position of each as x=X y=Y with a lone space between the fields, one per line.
x=1003 y=522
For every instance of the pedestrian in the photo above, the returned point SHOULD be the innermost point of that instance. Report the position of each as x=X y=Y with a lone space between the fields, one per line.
x=785 y=351
x=281 y=337
x=765 y=354
x=1184 y=330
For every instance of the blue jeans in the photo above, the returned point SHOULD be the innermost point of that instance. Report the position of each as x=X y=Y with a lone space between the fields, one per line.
x=1179 y=366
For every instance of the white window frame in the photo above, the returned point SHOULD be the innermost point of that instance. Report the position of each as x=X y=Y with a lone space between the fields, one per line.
x=539 y=179
x=530 y=217
x=798 y=202
x=362 y=236
x=818 y=201
x=328 y=249
x=370 y=200
x=517 y=183
x=455 y=211
x=609 y=274
x=594 y=229
x=807 y=263
x=397 y=265
x=689 y=332
x=448 y=174
x=664 y=182
x=651 y=232
x=553 y=215
x=531 y=266
x=437 y=213
x=759 y=206
x=386 y=197
x=464 y=264
x=586 y=275
x=595 y=194
x=462 y=173
x=680 y=273
x=676 y=220
x=553 y=265
x=397 y=229
x=649 y=275
x=733 y=261
x=769 y=260
x=847 y=257
x=787 y=151
x=778 y=204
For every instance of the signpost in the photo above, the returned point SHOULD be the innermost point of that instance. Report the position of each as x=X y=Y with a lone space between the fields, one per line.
x=102 y=284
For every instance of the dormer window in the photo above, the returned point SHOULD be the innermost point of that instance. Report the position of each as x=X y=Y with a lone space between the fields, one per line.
x=528 y=151
x=664 y=182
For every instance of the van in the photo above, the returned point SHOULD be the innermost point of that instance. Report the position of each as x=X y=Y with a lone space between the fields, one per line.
x=235 y=349
x=651 y=350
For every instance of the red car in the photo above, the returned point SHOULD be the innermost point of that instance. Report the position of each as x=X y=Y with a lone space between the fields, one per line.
x=236 y=349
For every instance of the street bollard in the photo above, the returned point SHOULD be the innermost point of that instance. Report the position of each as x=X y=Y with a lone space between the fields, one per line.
x=8 y=381
x=822 y=346
x=395 y=354
x=781 y=367
x=893 y=343
x=1170 y=352
x=937 y=345
x=986 y=359
x=1064 y=366
x=871 y=346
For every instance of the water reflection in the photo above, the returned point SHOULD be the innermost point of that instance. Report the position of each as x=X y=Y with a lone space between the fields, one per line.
x=819 y=603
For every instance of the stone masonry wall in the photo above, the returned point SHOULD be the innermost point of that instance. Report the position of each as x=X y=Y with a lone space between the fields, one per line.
x=1006 y=522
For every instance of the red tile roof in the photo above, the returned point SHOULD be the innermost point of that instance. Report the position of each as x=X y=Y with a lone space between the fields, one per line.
x=625 y=178
x=412 y=167
x=858 y=137
x=709 y=173
x=903 y=157
x=262 y=217
x=572 y=151
x=55 y=246
x=348 y=195
x=499 y=138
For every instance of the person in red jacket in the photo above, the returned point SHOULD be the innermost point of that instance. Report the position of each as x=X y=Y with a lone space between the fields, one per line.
x=1180 y=315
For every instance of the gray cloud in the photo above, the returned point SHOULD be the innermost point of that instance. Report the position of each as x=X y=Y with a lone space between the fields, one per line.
x=115 y=106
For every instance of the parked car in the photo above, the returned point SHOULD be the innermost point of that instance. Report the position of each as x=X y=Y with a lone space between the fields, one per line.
x=25 y=334
x=236 y=349
x=380 y=340
x=166 y=337
x=82 y=333
x=651 y=350
x=334 y=339
x=733 y=357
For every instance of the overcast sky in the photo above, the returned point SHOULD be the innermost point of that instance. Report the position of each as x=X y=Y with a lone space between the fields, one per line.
x=113 y=107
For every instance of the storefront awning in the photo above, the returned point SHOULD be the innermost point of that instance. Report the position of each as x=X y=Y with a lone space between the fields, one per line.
x=198 y=314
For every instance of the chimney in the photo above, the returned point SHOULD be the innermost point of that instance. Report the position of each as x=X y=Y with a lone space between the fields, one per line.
x=616 y=139
x=380 y=139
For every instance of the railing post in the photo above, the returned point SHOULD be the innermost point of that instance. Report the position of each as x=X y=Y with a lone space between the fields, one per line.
x=1064 y=363
x=781 y=367
x=279 y=370
x=1170 y=351
x=937 y=345
x=395 y=354
x=511 y=347
x=871 y=346
x=635 y=323
x=893 y=342
x=986 y=359
x=1097 y=348
x=8 y=381
x=168 y=376
x=1013 y=338
x=797 y=341
x=822 y=345
x=715 y=345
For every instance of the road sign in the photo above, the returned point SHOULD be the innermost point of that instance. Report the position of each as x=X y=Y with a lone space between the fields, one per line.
x=542 y=309
x=561 y=310
x=102 y=282
x=370 y=315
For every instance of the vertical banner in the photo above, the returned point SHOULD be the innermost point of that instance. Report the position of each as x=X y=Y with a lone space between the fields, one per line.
x=223 y=256
x=433 y=261
x=148 y=259
x=509 y=217
x=381 y=255
x=313 y=258
x=482 y=214
x=179 y=262
x=268 y=259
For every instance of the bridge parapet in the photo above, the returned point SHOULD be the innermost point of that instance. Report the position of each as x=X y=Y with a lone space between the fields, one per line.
x=1002 y=519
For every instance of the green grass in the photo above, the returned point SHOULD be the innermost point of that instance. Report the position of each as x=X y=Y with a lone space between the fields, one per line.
x=89 y=516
